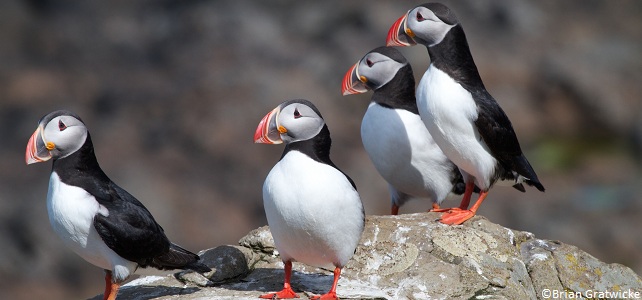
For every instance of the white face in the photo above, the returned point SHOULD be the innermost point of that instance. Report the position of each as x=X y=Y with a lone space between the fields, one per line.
x=67 y=134
x=300 y=121
x=427 y=26
x=378 y=69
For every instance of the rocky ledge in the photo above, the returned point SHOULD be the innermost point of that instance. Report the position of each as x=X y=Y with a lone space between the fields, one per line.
x=404 y=257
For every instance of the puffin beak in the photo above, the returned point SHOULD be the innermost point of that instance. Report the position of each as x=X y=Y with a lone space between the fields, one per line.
x=353 y=83
x=37 y=149
x=399 y=34
x=268 y=131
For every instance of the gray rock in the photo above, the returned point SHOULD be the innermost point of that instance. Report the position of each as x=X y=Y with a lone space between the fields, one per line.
x=403 y=257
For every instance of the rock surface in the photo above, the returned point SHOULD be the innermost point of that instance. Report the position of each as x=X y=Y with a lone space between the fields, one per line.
x=403 y=257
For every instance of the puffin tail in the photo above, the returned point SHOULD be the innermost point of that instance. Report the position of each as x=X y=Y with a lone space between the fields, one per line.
x=179 y=258
x=523 y=168
x=535 y=183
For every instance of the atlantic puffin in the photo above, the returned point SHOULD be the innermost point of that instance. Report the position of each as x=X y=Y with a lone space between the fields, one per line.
x=313 y=209
x=462 y=117
x=396 y=140
x=93 y=216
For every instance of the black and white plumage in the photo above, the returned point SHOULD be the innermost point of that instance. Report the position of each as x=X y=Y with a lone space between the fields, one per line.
x=93 y=216
x=393 y=134
x=463 y=118
x=314 y=211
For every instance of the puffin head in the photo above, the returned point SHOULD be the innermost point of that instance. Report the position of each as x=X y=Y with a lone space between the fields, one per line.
x=59 y=134
x=426 y=24
x=291 y=121
x=373 y=71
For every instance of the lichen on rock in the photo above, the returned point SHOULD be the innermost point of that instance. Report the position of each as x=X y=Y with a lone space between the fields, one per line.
x=404 y=257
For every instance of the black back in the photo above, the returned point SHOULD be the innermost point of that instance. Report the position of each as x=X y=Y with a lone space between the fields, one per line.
x=399 y=93
x=130 y=229
x=452 y=56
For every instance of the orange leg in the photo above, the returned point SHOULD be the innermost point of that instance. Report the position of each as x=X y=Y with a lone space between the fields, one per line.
x=468 y=192
x=111 y=288
x=394 y=210
x=287 y=292
x=457 y=216
x=332 y=294
x=470 y=187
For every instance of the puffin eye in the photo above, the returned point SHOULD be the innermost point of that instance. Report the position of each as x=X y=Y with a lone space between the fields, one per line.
x=420 y=17
x=61 y=125
x=369 y=63
x=297 y=114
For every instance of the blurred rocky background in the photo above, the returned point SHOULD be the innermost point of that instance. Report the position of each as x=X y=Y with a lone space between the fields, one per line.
x=173 y=90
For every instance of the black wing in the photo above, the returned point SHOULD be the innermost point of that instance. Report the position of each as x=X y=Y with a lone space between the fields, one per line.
x=496 y=130
x=129 y=229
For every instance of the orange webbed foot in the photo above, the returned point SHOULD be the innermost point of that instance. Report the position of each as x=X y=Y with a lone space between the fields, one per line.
x=286 y=293
x=456 y=216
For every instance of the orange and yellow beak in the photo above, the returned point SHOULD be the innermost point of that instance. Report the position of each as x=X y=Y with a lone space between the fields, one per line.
x=353 y=83
x=37 y=149
x=268 y=131
x=399 y=34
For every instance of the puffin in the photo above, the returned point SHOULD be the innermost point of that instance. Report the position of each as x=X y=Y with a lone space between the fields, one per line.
x=313 y=208
x=393 y=134
x=463 y=118
x=94 y=217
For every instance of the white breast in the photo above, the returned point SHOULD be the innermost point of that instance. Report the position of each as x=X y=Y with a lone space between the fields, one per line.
x=449 y=112
x=405 y=154
x=314 y=213
x=71 y=213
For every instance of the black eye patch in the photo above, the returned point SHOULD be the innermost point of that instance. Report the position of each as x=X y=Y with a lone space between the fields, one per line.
x=61 y=125
x=297 y=114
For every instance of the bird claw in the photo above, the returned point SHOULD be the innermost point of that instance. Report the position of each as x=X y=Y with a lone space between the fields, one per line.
x=283 y=294
x=328 y=296
x=456 y=216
